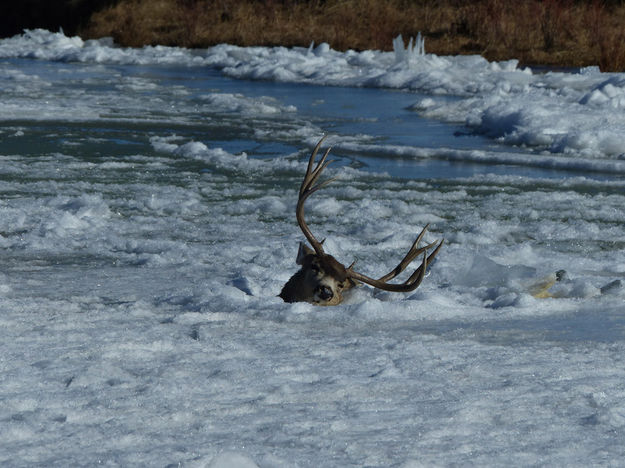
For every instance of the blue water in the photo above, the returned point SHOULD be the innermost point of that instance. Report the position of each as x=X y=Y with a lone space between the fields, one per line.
x=380 y=116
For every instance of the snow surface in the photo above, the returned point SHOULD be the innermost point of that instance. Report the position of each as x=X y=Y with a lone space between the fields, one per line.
x=147 y=225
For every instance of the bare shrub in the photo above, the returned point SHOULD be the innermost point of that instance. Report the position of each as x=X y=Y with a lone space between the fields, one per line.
x=554 y=32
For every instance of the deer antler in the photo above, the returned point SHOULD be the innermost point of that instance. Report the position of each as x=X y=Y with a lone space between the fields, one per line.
x=308 y=187
x=415 y=278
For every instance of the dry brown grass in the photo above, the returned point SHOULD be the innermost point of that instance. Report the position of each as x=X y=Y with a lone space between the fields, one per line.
x=553 y=32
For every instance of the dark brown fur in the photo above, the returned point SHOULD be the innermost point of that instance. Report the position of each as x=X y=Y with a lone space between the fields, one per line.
x=321 y=279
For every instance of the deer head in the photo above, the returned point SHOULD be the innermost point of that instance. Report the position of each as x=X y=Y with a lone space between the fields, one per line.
x=322 y=279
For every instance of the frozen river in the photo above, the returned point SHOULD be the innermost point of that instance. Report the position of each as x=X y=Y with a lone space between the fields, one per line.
x=147 y=224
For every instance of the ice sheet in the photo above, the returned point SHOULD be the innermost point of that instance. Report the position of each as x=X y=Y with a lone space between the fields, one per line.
x=147 y=225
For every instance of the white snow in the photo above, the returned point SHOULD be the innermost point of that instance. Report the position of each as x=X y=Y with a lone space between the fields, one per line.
x=147 y=225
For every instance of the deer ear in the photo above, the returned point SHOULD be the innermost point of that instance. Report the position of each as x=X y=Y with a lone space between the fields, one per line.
x=303 y=252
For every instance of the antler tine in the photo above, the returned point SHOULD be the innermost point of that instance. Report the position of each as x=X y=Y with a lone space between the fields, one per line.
x=311 y=160
x=311 y=175
x=415 y=278
x=413 y=252
x=419 y=273
x=307 y=188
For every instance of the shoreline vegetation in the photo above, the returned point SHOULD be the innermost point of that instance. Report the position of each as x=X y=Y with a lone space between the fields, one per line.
x=554 y=33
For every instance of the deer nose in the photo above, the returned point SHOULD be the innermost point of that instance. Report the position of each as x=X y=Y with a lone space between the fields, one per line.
x=325 y=293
